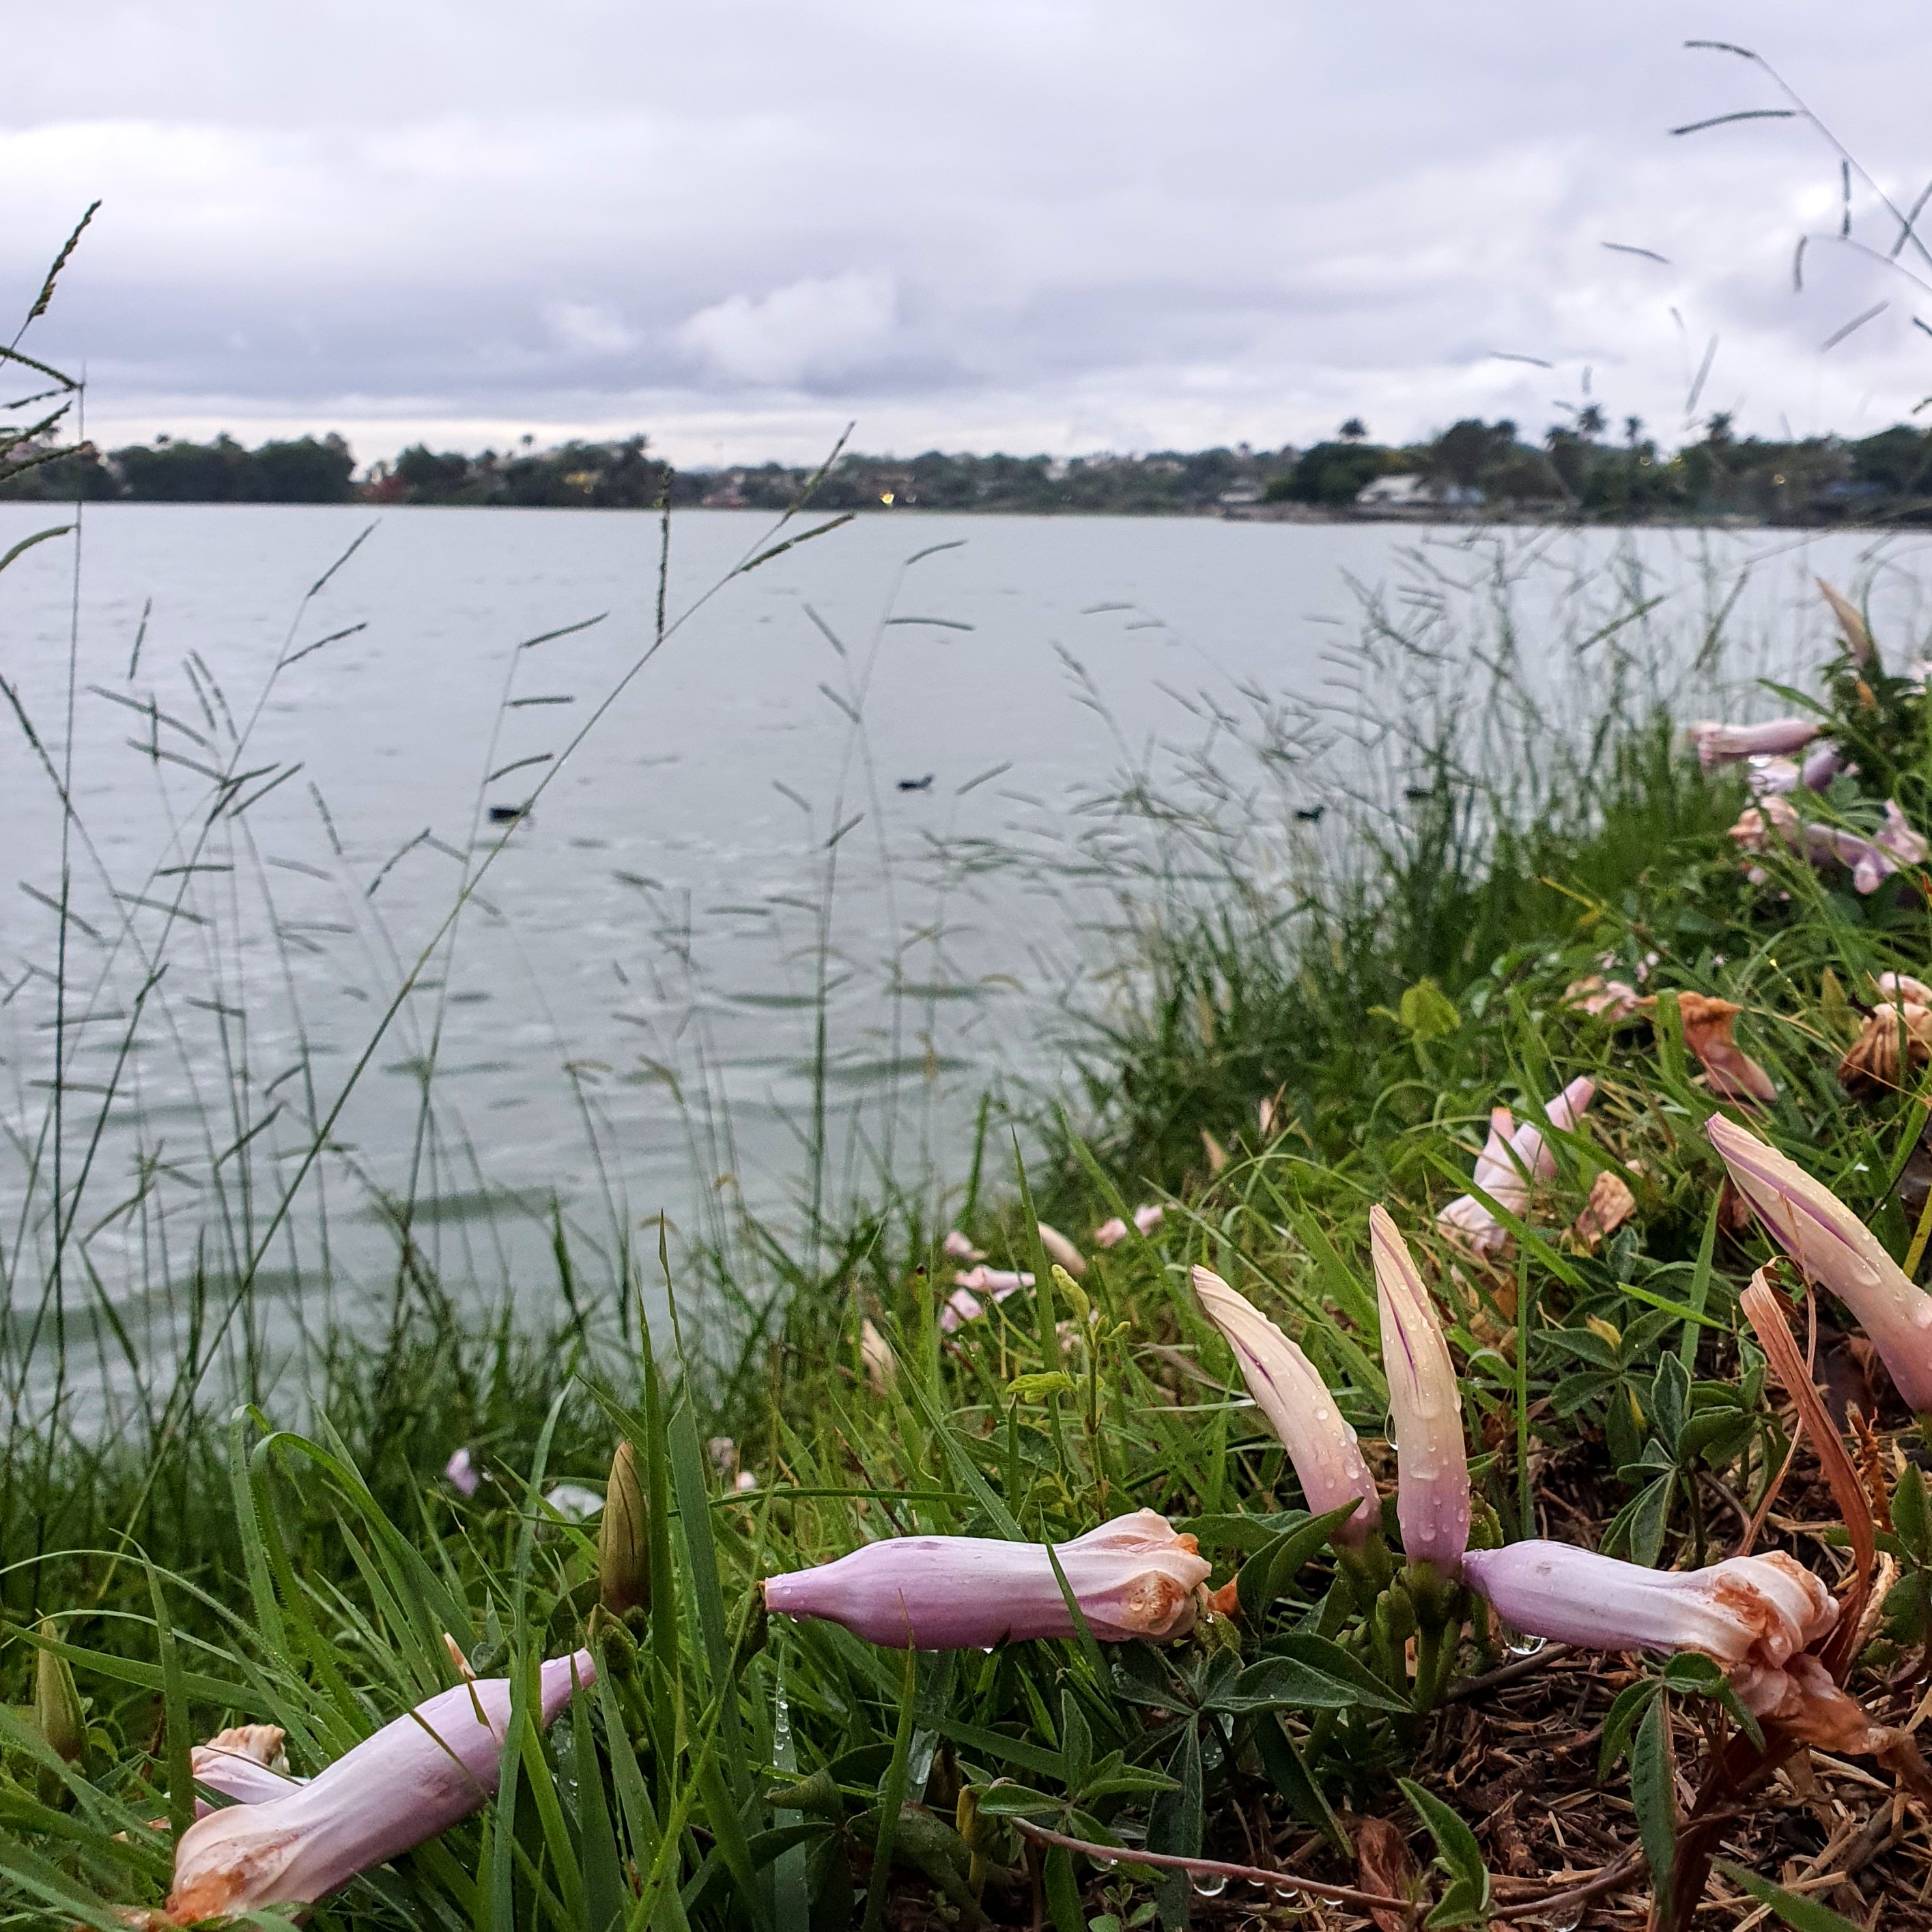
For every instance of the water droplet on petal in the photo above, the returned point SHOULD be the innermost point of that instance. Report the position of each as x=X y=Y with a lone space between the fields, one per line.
x=1523 y=1643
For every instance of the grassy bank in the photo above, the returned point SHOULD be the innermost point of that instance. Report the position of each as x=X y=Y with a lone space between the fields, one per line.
x=1269 y=1061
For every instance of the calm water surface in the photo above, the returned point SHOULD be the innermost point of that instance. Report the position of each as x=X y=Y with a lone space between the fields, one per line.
x=624 y=1019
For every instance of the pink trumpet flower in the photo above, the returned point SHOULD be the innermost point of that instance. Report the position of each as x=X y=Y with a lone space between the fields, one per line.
x=460 y=1473
x=1773 y=822
x=959 y=1249
x=1725 y=744
x=1831 y=1245
x=1901 y=989
x=1761 y=1618
x=1822 y=765
x=1289 y=1391
x=1059 y=1249
x=1512 y=1159
x=246 y=1763
x=1432 y=1497
x=430 y=1769
x=1111 y=1234
x=1753 y=1615
x=1770 y=778
x=964 y=1303
x=1133 y=1577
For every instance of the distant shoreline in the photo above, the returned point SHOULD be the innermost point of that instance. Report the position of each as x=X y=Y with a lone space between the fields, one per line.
x=1270 y=513
x=1474 y=472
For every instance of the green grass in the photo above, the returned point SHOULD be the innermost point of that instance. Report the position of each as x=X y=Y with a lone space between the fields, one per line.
x=223 y=1530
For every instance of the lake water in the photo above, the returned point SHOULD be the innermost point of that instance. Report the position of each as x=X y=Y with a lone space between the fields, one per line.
x=624 y=1019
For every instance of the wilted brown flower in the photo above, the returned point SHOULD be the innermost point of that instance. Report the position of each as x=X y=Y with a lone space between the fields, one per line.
x=1731 y=1073
x=1892 y=1038
x=1611 y=1204
x=1602 y=998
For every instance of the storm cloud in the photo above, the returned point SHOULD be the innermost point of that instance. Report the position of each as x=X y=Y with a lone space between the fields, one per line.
x=1026 y=224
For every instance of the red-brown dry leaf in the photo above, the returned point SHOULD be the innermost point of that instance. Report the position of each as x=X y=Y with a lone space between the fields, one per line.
x=1383 y=1864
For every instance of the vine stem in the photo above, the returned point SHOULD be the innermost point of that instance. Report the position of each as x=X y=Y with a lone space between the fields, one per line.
x=1280 y=1881
x=1627 y=1870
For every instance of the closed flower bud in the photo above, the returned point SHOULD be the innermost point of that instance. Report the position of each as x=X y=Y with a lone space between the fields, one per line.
x=1723 y=744
x=876 y=1352
x=1133 y=1577
x=56 y=1700
x=1832 y=1247
x=1301 y=1410
x=1432 y=1497
x=1061 y=1251
x=623 y=1539
x=432 y=1767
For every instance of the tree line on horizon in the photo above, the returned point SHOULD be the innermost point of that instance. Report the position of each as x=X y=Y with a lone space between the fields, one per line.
x=1578 y=469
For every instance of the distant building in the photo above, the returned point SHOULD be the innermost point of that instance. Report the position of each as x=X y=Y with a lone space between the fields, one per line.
x=1416 y=492
x=1241 y=496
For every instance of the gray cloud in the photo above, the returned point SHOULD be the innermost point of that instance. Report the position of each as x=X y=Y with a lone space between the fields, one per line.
x=1039 y=223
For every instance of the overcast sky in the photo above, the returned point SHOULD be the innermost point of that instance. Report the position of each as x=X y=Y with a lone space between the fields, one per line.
x=1060 y=225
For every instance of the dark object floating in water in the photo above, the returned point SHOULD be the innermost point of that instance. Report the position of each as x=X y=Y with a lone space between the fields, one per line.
x=1415 y=794
x=1310 y=814
x=918 y=784
x=508 y=814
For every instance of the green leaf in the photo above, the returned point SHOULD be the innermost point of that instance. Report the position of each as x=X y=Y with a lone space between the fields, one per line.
x=1466 y=1898
x=1653 y=1793
x=1281 y=1758
x=1174 y=1826
x=1076 y=1742
x=1015 y=1801
x=1714 y=1437
x=1629 y=1705
x=1700 y=1281
x=1692 y=1671
x=605 y=1893
x=1638 y=1527
x=1670 y=1402
x=1063 y=1892
x=1287 y=1684
x=1266 y=1575
x=1037 y=1387
x=174 y=1704
x=27 y=543
x=1909 y=1516
x=1800 y=1914
x=892 y=1796
x=1427 y=1012
x=1325 y=1669
x=35 y=1876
